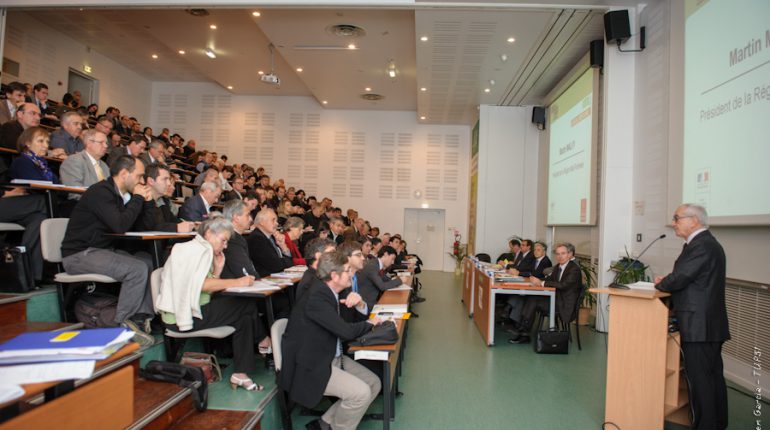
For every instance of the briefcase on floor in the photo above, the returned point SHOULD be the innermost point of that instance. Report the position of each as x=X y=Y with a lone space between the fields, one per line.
x=15 y=270
x=552 y=341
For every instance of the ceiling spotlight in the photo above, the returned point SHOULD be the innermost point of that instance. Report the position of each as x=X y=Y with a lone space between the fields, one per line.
x=392 y=71
x=424 y=38
x=213 y=27
x=255 y=13
x=422 y=118
x=324 y=102
x=511 y=40
x=299 y=69
x=352 y=46
x=368 y=89
x=210 y=53
x=423 y=89
x=492 y=82
x=182 y=52
x=229 y=87
x=486 y=90
x=503 y=58
x=259 y=72
x=155 y=56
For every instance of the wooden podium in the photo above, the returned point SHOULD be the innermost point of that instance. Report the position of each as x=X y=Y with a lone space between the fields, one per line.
x=645 y=385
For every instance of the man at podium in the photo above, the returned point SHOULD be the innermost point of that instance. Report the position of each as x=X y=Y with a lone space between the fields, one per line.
x=697 y=287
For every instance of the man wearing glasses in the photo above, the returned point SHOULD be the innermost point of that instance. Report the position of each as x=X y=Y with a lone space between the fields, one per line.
x=697 y=287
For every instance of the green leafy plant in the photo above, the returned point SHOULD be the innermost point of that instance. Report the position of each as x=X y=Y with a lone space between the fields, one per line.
x=628 y=271
x=588 y=270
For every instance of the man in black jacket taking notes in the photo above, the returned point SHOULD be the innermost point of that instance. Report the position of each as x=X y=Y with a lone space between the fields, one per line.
x=697 y=287
x=313 y=361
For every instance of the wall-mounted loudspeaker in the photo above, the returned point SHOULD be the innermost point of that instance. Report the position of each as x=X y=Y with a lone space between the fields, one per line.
x=538 y=117
x=597 y=53
x=617 y=28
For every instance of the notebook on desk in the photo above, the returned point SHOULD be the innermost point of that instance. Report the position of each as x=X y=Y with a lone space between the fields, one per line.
x=37 y=347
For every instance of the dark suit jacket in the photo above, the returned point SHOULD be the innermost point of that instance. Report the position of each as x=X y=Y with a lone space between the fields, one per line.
x=9 y=134
x=231 y=195
x=264 y=255
x=526 y=264
x=537 y=271
x=99 y=212
x=697 y=287
x=154 y=218
x=371 y=284
x=237 y=258
x=310 y=344
x=567 y=290
x=506 y=256
x=115 y=153
x=309 y=280
x=338 y=240
x=193 y=209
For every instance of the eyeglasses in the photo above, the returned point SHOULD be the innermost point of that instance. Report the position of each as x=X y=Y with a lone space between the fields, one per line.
x=676 y=218
x=357 y=254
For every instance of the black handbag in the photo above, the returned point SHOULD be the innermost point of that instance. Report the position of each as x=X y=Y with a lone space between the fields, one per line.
x=552 y=341
x=15 y=271
x=182 y=375
x=383 y=334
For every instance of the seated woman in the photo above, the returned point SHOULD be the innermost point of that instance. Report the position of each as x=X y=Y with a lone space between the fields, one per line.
x=188 y=298
x=31 y=162
x=293 y=229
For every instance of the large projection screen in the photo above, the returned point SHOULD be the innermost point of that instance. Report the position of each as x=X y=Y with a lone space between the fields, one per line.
x=572 y=136
x=725 y=151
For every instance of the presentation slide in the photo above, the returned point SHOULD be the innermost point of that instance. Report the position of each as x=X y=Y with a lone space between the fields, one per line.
x=570 y=148
x=726 y=109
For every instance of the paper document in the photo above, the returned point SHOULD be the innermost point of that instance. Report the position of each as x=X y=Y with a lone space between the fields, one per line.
x=31 y=181
x=283 y=275
x=278 y=281
x=642 y=286
x=156 y=233
x=89 y=344
x=371 y=355
x=402 y=287
x=256 y=287
x=296 y=269
x=46 y=372
x=10 y=392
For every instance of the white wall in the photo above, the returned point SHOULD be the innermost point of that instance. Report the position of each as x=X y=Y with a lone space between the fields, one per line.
x=46 y=55
x=507 y=184
x=375 y=162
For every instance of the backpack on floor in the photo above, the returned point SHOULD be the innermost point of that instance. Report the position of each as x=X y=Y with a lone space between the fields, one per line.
x=96 y=310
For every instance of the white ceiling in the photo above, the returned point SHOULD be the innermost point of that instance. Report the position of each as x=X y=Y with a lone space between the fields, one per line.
x=455 y=65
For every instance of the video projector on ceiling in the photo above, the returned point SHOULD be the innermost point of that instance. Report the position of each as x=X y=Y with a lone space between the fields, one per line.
x=271 y=78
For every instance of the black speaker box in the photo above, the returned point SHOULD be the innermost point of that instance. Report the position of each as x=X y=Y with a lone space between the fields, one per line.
x=597 y=53
x=538 y=116
x=617 y=28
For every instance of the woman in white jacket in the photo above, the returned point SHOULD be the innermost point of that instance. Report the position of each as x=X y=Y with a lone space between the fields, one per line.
x=188 y=298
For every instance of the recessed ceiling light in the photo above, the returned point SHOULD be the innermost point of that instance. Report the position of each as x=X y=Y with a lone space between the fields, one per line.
x=299 y=69
x=213 y=27
x=511 y=40
x=155 y=56
x=325 y=102
x=486 y=90
x=368 y=89
x=352 y=46
x=492 y=82
x=255 y=13
x=210 y=53
x=422 y=118
x=423 y=89
x=259 y=72
x=182 y=52
x=424 y=38
x=229 y=87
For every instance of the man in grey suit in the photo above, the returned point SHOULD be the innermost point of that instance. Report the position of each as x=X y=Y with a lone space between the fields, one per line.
x=697 y=287
x=134 y=148
x=372 y=280
x=86 y=167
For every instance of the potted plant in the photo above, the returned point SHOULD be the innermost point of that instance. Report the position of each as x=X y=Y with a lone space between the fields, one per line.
x=588 y=300
x=627 y=270
x=459 y=251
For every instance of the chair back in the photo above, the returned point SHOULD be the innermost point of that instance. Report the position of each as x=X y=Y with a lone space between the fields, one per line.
x=155 y=278
x=576 y=308
x=276 y=334
x=51 y=236
x=484 y=257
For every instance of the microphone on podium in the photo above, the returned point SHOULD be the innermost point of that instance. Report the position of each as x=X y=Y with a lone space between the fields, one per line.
x=630 y=265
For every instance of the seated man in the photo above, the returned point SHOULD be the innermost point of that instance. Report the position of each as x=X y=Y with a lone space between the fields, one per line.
x=541 y=262
x=197 y=207
x=267 y=246
x=313 y=251
x=525 y=263
x=86 y=167
x=372 y=280
x=155 y=153
x=27 y=115
x=238 y=192
x=67 y=136
x=237 y=258
x=514 y=245
x=112 y=206
x=135 y=147
x=336 y=230
x=313 y=360
x=567 y=278
x=157 y=214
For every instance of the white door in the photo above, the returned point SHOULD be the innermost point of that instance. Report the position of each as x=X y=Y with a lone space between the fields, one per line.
x=424 y=235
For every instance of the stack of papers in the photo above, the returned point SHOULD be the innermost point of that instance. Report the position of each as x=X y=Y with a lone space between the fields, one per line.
x=257 y=286
x=41 y=347
x=278 y=281
x=297 y=269
x=391 y=309
x=505 y=277
x=285 y=275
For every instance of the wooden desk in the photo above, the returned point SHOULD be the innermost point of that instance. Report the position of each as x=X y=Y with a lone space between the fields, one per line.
x=392 y=366
x=486 y=290
x=50 y=188
x=155 y=237
x=268 y=297
x=644 y=382
x=469 y=277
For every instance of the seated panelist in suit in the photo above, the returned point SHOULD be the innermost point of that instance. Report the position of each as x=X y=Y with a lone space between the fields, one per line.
x=372 y=280
x=314 y=364
x=514 y=248
x=267 y=245
x=86 y=167
x=567 y=278
x=525 y=263
x=31 y=163
x=540 y=263
x=198 y=207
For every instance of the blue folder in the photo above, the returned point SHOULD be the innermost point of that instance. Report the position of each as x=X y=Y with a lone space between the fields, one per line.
x=89 y=344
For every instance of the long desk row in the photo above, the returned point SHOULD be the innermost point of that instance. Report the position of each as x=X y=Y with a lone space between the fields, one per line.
x=480 y=291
